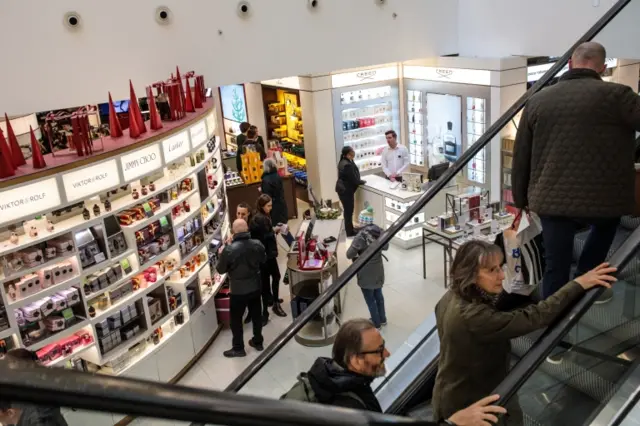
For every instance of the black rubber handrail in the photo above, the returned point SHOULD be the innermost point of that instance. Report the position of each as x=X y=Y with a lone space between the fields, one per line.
x=56 y=387
x=528 y=364
x=415 y=208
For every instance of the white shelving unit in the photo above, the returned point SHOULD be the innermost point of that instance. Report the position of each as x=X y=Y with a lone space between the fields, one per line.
x=168 y=345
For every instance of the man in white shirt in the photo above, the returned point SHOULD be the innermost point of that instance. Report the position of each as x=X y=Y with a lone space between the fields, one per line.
x=395 y=157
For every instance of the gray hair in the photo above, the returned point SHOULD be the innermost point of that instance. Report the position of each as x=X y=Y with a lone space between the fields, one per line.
x=470 y=257
x=270 y=165
x=348 y=341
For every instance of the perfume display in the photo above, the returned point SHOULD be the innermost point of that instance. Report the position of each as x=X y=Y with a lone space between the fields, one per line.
x=415 y=123
x=476 y=125
x=363 y=129
x=354 y=96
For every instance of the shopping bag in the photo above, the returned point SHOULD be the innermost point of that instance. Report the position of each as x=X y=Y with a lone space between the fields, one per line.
x=524 y=257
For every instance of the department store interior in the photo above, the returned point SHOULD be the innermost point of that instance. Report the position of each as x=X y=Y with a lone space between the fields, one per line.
x=119 y=192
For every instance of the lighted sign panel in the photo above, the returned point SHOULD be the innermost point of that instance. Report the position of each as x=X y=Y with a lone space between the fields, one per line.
x=198 y=134
x=364 y=77
x=90 y=180
x=141 y=162
x=27 y=200
x=176 y=146
x=449 y=75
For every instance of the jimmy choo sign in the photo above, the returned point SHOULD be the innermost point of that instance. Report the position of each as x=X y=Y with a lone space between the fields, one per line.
x=141 y=162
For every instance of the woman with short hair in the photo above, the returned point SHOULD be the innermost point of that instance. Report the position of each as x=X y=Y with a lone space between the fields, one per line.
x=347 y=185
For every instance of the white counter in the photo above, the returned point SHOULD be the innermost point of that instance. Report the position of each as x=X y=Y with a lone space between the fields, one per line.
x=388 y=204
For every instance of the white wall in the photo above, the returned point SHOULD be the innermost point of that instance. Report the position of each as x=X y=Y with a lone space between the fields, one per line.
x=498 y=28
x=46 y=66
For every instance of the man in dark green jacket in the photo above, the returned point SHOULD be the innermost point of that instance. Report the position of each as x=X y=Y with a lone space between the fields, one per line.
x=344 y=380
x=573 y=162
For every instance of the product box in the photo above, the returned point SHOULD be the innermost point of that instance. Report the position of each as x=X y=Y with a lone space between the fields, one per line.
x=45 y=305
x=62 y=244
x=59 y=302
x=117 y=270
x=46 y=277
x=102 y=328
x=32 y=313
x=55 y=323
x=32 y=257
x=103 y=279
x=93 y=283
x=49 y=353
x=27 y=286
x=72 y=295
x=114 y=321
x=111 y=275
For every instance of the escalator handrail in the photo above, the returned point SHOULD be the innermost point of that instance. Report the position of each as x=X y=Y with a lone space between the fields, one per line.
x=57 y=387
x=415 y=208
x=524 y=369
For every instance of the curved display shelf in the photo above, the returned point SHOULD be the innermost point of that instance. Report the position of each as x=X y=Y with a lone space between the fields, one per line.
x=167 y=338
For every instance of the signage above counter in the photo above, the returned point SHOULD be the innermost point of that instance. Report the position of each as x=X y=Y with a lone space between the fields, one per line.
x=90 y=180
x=286 y=82
x=535 y=72
x=29 y=199
x=364 y=77
x=211 y=124
x=176 y=146
x=198 y=134
x=448 y=75
x=141 y=162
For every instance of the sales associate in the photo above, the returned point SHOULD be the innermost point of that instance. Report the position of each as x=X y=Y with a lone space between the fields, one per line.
x=395 y=157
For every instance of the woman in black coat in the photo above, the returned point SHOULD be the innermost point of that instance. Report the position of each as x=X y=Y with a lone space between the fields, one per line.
x=347 y=185
x=263 y=230
x=273 y=187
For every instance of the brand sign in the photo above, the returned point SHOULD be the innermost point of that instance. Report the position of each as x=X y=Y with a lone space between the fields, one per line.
x=211 y=124
x=450 y=75
x=176 y=146
x=141 y=162
x=287 y=82
x=198 y=134
x=535 y=72
x=363 y=77
x=28 y=200
x=90 y=180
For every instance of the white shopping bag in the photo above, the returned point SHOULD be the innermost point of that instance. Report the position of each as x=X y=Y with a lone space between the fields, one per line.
x=516 y=245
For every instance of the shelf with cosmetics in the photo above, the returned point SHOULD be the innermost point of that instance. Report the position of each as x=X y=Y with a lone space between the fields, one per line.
x=105 y=279
x=363 y=111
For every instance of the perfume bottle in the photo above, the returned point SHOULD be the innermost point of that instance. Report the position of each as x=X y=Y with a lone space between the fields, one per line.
x=96 y=210
x=450 y=143
x=107 y=205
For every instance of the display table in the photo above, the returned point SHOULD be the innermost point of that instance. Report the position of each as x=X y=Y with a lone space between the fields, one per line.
x=388 y=204
x=306 y=285
x=244 y=193
x=450 y=242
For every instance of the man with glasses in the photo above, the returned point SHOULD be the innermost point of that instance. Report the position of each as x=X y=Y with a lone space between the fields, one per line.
x=358 y=357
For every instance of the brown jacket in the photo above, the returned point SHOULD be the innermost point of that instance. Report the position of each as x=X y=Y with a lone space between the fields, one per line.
x=475 y=344
x=574 y=148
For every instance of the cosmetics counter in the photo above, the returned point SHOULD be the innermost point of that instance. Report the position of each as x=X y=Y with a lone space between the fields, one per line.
x=110 y=267
x=390 y=202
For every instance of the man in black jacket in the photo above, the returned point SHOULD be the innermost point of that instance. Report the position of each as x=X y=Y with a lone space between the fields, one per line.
x=240 y=140
x=241 y=260
x=344 y=380
x=573 y=162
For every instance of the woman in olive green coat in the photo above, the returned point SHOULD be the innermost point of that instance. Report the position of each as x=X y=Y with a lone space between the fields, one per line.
x=475 y=336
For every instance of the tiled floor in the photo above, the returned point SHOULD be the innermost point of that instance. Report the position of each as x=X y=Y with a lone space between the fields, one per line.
x=409 y=300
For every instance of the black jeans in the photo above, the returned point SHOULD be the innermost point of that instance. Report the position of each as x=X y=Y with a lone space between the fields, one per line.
x=270 y=273
x=239 y=303
x=558 y=233
x=348 y=204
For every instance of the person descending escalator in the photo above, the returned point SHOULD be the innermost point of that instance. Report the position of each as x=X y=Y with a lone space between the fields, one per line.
x=359 y=355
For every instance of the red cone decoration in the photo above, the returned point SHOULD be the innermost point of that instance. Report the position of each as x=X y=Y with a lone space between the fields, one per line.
x=86 y=133
x=114 y=123
x=37 y=157
x=197 y=98
x=179 y=78
x=16 y=153
x=188 y=103
x=133 y=104
x=156 y=120
x=134 y=130
x=6 y=165
x=76 y=135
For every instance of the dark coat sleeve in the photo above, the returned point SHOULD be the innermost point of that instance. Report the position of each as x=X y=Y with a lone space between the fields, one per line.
x=488 y=324
x=630 y=108
x=521 y=166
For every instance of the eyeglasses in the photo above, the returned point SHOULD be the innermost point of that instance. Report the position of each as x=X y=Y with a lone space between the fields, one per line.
x=379 y=351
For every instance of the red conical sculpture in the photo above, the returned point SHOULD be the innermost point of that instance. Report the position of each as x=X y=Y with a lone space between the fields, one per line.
x=76 y=136
x=16 y=153
x=114 y=123
x=197 y=98
x=133 y=104
x=179 y=78
x=155 y=119
x=37 y=157
x=134 y=130
x=6 y=165
x=188 y=103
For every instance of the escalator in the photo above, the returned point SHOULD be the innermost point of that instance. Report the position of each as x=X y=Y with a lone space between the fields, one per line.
x=582 y=370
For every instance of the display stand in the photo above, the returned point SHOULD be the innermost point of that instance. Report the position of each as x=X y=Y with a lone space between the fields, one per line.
x=306 y=285
x=115 y=261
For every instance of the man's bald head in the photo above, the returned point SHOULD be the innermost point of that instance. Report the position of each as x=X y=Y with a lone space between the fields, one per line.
x=589 y=55
x=239 y=226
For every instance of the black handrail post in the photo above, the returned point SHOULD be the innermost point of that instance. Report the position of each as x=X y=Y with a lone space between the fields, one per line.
x=414 y=209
